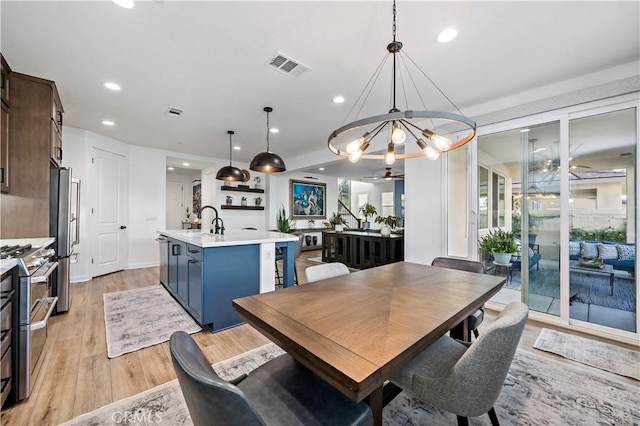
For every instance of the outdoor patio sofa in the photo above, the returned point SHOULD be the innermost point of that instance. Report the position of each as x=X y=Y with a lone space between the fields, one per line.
x=621 y=256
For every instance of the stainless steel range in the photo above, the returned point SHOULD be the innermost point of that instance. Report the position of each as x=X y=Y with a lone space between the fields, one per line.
x=35 y=307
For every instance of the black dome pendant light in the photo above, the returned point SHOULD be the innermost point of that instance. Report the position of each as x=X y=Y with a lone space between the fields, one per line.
x=267 y=161
x=230 y=173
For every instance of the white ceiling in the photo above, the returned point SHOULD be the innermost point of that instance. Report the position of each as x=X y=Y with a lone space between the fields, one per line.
x=208 y=58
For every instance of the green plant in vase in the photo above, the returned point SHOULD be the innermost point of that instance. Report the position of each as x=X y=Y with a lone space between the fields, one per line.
x=367 y=210
x=500 y=244
x=284 y=223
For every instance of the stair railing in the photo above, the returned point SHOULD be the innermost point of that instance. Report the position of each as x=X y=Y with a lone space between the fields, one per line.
x=347 y=215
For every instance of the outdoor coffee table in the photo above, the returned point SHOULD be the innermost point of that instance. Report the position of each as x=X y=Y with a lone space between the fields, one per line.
x=606 y=269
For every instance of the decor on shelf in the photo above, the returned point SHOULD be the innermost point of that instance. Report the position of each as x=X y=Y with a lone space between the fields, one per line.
x=367 y=210
x=243 y=201
x=307 y=239
x=267 y=161
x=230 y=173
x=229 y=200
x=258 y=200
x=307 y=199
x=188 y=214
x=389 y=223
x=345 y=141
x=500 y=244
x=283 y=222
x=257 y=182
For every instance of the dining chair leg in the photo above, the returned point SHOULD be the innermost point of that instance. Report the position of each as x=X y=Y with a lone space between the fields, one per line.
x=475 y=333
x=494 y=417
x=463 y=421
x=279 y=281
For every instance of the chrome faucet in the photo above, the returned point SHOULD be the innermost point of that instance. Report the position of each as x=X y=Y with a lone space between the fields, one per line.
x=218 y=229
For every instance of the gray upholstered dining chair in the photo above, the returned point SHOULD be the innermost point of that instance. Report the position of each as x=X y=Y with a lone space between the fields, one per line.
x=279 y=392
x=476 y=318
x=326 y=270
x=466 y=380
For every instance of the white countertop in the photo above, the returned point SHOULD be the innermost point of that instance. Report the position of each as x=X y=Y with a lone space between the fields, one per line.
x=7 y=264
x=231 y=237
x=35 y=242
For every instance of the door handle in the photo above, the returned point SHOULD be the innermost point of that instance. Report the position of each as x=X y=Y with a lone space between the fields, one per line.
x=123 y=227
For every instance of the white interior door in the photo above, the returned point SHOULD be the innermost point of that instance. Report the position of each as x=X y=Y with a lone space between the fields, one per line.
x=109 y=212
x=174 y=205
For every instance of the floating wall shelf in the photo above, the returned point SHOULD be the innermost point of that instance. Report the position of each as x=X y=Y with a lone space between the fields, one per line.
x=236 y=189
x=232 y=207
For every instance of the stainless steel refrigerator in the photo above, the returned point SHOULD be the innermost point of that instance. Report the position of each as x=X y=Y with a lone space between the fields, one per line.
x=60 y=219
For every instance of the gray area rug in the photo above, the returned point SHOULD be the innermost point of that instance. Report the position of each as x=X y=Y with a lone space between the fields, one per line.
x=604 y=356
x=142 y=317
x=537 y=391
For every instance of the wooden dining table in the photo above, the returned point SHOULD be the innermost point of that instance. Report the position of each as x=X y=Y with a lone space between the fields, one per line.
x=356 y=330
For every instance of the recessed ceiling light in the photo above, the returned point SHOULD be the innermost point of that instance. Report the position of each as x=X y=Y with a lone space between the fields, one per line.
x=237 y=148
x=108 y=122
x=111 y=85
x=321 y=168
x=185 y=164
x=169 y=168
x=338 y=99
x=375 y=178
x=274 y=130
x=127 y=4
x=447 y=35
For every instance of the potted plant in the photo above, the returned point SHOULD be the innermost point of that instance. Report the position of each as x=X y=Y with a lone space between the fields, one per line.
x=500 y=244
x=229 y=200
x=257 y=181
x=243 y=201
x=367 y=210
x=388 y=223
x=258 y=200
x=283 y=222
x=336 y=222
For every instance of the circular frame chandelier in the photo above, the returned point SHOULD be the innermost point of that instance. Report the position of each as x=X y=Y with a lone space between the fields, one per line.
x=398 y=123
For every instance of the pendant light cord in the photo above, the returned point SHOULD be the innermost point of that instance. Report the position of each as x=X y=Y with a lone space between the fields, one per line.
x=268 y=131
x=230 y=148
x=393 y=30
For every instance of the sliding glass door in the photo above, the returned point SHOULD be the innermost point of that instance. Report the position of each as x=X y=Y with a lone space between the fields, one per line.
x=602 y=222
x=566 y=189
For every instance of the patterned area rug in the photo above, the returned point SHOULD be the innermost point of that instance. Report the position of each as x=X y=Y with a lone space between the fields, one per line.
x=142 y=317
x=604 y=356
x=537 y=391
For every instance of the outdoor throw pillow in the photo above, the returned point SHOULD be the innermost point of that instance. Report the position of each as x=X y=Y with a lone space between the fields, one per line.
x=589 y=249
x=626 y=252
x=574 y=248
x=607 y=251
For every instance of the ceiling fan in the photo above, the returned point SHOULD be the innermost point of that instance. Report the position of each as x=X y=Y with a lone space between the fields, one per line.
x=387 y=175
x=549 y=166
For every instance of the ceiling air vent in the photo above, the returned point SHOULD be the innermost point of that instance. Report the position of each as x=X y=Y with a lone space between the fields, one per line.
x=286 y=65
x=174 y=112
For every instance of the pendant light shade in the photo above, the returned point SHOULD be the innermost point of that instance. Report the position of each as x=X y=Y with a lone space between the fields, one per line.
x=267 y=162
x=230 y=173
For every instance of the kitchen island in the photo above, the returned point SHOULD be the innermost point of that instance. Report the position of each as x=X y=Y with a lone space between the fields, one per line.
x=204 y=271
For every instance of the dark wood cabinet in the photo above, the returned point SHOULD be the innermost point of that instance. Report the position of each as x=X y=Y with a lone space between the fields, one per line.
x=4 y=123
x=362 y=250
x=34 y=134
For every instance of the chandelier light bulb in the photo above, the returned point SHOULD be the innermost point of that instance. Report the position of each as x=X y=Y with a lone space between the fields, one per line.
x=390 y=156
x=398 y=135
x=441 y=142
x=431 y=153
x=353 y=145
x=355 y=156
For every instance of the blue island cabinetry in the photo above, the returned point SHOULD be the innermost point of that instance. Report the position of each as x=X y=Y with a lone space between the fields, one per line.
x=204 y=272
x=204 y=280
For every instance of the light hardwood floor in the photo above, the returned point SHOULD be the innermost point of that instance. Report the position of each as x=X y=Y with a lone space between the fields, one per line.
x=77 y=377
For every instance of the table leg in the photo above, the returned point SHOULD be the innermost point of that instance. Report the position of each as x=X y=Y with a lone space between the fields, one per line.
x=375 y=402
x=611 y=282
